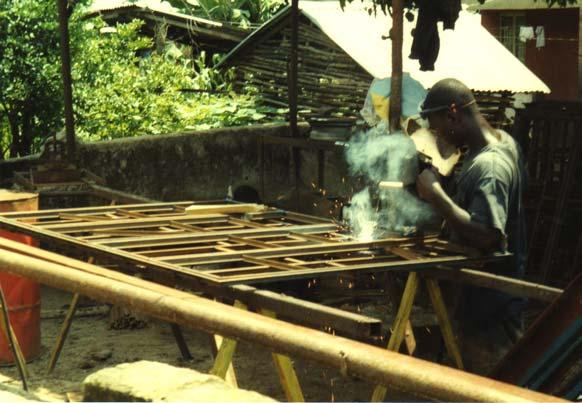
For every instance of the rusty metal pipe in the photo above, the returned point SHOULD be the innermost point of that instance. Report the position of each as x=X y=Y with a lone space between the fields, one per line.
x=397 y=371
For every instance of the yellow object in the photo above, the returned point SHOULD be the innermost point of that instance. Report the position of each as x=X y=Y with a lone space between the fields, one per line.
x=381 y=106
x=225 y=208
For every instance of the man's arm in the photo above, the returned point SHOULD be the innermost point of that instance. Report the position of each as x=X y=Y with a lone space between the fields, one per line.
x=473 y=233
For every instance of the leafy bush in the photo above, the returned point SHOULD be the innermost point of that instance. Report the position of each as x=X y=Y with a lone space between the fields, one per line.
x=120 y=94
x=239 y=12
x=30 y=83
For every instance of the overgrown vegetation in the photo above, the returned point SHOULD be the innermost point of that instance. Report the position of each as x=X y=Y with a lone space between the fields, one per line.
x=243 y=13
x=30 y=81
x=121 y=86
x=124 y=89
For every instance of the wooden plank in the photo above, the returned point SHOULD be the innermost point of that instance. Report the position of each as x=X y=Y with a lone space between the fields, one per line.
x=399 y=326
x=230 y=377
x=286 y=371
x=436 y=297
x=508 y=285
x=225 y=209
x=225 y=352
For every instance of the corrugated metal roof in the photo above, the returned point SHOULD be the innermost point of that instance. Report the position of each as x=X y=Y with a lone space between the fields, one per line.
x=469 y=52
x=167 y=11
x=107 y=5
x=517 y=5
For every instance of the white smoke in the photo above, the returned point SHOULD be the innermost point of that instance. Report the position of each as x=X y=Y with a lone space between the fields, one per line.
x=379 y=156
x=361 y=216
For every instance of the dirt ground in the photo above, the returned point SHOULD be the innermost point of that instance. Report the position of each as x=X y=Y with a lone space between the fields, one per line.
x=92 y=345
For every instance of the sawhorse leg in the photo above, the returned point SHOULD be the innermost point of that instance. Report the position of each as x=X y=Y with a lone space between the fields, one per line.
x=399 y=326
x=284 y=365
x=12 y=341
x=225 y=351
x=179 y=337
x=63 y=334
x=65 y=329
x=287 y=375
x=438 y=303
x=402 y=319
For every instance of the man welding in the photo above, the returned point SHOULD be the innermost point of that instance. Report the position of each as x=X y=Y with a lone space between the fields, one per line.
x=484 y=210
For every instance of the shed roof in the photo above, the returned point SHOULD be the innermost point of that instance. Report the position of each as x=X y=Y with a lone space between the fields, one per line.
x=163 y=11
x=469 y=53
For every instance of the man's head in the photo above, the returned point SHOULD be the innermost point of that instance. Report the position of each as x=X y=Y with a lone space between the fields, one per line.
x=449 y=107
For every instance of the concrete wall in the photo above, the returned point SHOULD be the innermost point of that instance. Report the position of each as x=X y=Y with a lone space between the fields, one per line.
x=202 y=165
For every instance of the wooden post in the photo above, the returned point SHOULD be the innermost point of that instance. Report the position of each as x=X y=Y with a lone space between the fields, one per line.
x=396 y=81
x=67 y=81
x=292 y=92
x=292 y=68
x=580 y=54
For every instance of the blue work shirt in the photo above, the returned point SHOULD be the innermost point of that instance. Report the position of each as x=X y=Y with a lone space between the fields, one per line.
x=489 y=187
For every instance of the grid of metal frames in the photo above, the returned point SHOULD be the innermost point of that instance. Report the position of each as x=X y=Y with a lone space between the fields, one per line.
x=229 y=243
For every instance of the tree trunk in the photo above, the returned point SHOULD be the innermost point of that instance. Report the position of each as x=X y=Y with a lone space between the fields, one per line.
x=15 y=131
x=27 y=134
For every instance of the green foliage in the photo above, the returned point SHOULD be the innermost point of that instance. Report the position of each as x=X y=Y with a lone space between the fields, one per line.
x=240 y=12
x=207 y=111
x=120 y=94
x=30 y=86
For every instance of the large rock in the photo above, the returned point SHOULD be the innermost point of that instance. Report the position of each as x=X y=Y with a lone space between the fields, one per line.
x=144 y=381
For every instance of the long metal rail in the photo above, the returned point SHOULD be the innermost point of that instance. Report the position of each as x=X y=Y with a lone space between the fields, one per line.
x=414 y=376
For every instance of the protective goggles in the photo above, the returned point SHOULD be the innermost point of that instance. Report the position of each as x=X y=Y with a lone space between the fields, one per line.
x=424 y=112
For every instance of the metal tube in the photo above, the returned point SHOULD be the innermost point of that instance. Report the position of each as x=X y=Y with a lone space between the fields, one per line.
x=397 y=371
x=67 y=81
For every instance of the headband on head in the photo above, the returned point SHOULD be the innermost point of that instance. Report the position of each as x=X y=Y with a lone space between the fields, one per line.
x=424 y=112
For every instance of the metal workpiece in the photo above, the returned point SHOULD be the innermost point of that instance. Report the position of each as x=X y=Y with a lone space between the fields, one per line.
x=396 y=371
x=229 y=244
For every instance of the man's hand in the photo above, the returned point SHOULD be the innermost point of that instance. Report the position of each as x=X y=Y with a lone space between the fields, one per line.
x=428 y=185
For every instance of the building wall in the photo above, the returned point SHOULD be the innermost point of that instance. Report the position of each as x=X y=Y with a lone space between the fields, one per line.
x=202 y=165
x=556 y=63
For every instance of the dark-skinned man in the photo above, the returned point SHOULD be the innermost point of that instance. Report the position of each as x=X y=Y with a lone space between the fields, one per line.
x=484 y=210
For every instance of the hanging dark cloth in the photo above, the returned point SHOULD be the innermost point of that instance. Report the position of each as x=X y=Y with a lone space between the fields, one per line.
x=426 y=42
